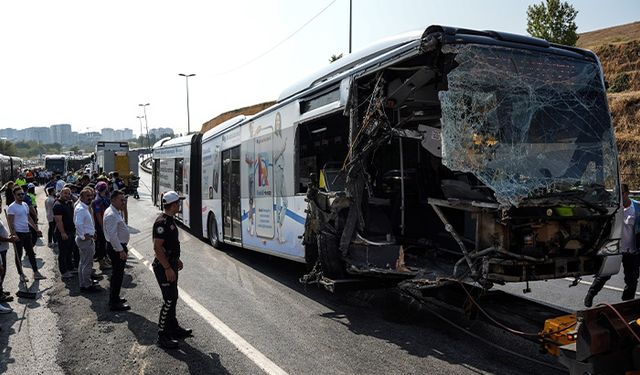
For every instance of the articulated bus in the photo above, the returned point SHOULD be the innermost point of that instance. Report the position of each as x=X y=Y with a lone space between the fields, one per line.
x=176 y=166
x=448 y=153
x=10 y=167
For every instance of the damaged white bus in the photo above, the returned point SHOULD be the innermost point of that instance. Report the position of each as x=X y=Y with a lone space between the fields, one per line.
x=446 y=154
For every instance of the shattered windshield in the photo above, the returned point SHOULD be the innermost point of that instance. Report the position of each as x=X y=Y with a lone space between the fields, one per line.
x=528 y=124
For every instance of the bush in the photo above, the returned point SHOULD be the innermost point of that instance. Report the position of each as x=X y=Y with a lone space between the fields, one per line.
x=620 y=83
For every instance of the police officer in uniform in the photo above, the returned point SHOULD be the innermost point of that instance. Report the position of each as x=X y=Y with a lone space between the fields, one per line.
x=166 y=266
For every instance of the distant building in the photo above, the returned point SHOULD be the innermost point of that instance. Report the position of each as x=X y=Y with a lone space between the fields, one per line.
x=90 y=137
x=109 y=134
x=126 y=134
x=39 y=134
x=9 y=133
x=61 y=133
x=159 y=132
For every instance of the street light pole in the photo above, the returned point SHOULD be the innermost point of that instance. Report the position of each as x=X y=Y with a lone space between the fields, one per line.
x=146 y=123
x=350 y=22
x=141 y=134
x=186 y=78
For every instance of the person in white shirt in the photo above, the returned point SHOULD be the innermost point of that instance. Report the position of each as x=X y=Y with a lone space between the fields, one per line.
x=19 y=222
x=59 y=183
x=48 y=205
x=116 y=233
x=85 y=236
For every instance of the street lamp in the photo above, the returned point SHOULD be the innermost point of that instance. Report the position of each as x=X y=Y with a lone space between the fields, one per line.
x=146 y=123
x=141 y=135
x=186 y=78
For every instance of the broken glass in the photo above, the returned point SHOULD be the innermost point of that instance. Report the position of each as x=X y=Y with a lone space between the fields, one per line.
x=528 y=124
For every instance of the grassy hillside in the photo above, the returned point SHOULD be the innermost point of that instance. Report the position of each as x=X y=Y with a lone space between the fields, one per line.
x=247 y=111
x=610 y=35
x=619 y=51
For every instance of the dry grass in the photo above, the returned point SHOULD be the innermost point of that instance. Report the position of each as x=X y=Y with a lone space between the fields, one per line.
x=249 y=110
x=625 y=113
x=610 y=35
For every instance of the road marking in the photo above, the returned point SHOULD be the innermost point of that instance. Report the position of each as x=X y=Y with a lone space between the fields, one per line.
x=606 y=286
x=241 y=344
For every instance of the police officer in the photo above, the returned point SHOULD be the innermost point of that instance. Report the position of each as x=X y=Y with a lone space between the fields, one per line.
x=166 y=266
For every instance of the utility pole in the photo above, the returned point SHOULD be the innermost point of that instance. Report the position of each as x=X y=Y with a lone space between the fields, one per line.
x=141 y=134
x=146 y=123
x=350 y=21
x=186 y=78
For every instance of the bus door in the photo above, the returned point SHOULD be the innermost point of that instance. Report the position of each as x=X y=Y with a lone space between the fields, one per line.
x=156 y=182
x=178 y=184
x=231 y=212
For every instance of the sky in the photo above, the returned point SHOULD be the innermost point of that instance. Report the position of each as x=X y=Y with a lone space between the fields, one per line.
x=91 y=63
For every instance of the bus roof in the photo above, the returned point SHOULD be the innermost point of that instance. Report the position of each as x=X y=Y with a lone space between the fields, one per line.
x=180 y=141
x=224 y=126
x=350 y=61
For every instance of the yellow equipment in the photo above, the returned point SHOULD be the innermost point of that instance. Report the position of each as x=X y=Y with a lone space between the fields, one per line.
x=557 y=332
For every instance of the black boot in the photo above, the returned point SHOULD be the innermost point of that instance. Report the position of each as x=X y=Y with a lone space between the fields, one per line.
x=181 y=333
x=628 y=293
x=165 y=341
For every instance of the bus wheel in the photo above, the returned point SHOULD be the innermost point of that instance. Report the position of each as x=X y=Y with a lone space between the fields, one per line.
x=212 y=231
x=330 y=257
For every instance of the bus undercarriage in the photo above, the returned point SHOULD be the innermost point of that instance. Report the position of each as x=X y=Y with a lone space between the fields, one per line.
x=459 y=168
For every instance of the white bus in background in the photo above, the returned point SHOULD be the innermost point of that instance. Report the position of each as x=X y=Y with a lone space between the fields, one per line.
x=56 y=163
x=176 y=166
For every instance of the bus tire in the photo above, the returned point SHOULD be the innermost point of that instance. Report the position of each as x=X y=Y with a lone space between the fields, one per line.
x=212 y=232
x=332 y=264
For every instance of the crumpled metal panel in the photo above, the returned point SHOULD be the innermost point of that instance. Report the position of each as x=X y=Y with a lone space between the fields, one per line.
x=527 y=123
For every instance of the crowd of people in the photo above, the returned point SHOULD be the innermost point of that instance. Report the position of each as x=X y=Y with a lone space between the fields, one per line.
x=88 y=222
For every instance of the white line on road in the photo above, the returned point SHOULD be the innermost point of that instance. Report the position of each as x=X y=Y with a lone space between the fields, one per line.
x=241 y=344
x=606 y=286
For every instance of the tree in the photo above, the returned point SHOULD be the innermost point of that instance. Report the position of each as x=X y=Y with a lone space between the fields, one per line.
x=335 y=57
x=7 y=148
x=554 y=21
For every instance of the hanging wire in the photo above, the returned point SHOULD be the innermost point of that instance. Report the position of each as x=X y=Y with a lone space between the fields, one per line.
x=279 y=43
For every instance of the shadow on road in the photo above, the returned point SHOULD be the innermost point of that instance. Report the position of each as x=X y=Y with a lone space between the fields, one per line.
x=387 y=315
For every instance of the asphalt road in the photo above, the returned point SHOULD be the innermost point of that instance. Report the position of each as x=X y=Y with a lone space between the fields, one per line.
x=250 y=316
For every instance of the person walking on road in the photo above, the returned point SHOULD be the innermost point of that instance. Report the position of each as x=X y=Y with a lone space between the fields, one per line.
x=166 y=266
x=4 y=247
x=65 y=232
x=629 y=250
x=85 y=236
x=116 y=233
x=19 y=222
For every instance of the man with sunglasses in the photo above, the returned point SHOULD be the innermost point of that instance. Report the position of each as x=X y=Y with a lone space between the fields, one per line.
x=19 y=222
